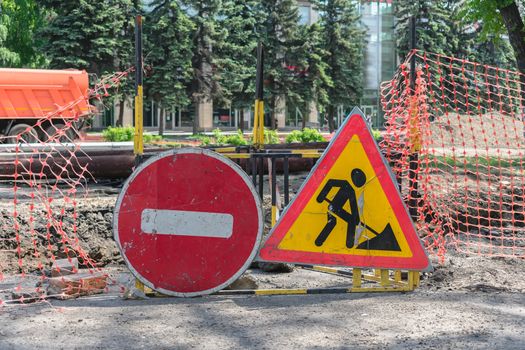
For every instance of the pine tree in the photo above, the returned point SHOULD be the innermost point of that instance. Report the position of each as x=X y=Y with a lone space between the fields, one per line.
x=312 y=70
x=438 y=28
x=169 y=49
x=343 y=40
x=87 y=34
x=236 y=56
x=279 y=34
x=207 y=36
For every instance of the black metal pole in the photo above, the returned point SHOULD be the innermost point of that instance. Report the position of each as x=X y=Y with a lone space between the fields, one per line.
x=138 y=53
x=259 y=81
x=261 y=176
x=258 y=130
x=253 y=160
x=413 y=45
x=274 y=189
x=286 y=181
x=139 y=109
x=414 y=155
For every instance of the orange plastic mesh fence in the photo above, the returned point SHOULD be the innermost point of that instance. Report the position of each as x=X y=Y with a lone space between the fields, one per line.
x=41 y=177
x=455 y=141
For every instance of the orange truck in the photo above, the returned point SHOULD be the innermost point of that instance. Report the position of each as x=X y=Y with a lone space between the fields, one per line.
x=29 y=95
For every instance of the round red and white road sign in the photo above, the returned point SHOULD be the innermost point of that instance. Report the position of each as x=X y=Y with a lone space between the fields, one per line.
x=188 y=222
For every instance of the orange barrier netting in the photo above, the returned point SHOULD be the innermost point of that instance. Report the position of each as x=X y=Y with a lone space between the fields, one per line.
x=38 y=224
x=455 y=140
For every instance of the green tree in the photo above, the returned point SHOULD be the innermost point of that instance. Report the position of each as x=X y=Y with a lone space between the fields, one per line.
x=442 y=28
x=498 y=17
x=8 y=58
x=312 y=70
x=87 y=34
x=236 y=56
x=279 y=32
x=207 y=36
x=125 y=55
x=22 y=19
x=437 y=28
x=169 y=51
x=343 y=41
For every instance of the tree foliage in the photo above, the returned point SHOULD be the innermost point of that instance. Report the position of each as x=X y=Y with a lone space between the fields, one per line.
x=237 y=54
x=495 y=18
x=207 y=36
x=87 y=34
x=437 y=28
x=312 y=70
x=454 y=28
x=19 y=22
x=169 y=49
x=8 y=57
x=279 y=31
x=486 y=11
x=343 y=40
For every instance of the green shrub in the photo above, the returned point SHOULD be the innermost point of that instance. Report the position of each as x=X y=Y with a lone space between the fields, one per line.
x=312 y=135
x=236 y=140
x=271 y=137
x=118 y=134
x=148 y=138
x=125 y=134
x=219 y=139
x=306 y=135
x=204 y=139
x=294 y=137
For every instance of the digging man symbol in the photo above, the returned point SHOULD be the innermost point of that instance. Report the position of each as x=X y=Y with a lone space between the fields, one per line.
x=384 y=240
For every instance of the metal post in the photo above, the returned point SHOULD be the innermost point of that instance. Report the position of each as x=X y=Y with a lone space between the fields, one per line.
x=413 y=45
x=414 y=155
x=258 y=120
x=261 y=176
x=138 y=146
x=286 y=181
x=253 y=160
x=274 y=191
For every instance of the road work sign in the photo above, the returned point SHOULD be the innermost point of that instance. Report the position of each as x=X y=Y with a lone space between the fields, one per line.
x=349 y=211
x=188 y=222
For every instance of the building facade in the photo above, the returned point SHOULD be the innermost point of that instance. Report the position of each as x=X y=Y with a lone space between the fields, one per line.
x=380 y=56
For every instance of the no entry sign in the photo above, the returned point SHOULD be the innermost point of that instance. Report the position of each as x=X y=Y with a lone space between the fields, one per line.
x=188 y=222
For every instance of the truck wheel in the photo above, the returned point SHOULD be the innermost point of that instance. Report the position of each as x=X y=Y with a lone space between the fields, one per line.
x=26 y=132
x=53 y=129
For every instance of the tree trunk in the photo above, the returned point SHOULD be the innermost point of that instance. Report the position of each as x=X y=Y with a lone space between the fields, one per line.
x=241 y=119
x=273 y=107
x=120 y=120
x=303 y=125
x=196 y=125
x=162 y=121
x=514 y=23
x=515 y=28
x=330 y=117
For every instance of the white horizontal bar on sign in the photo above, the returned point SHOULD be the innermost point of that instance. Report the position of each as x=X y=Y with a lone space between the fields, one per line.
x=186 y=223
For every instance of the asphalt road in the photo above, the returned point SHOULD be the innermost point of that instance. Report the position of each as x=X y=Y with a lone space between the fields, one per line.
x=422 y=319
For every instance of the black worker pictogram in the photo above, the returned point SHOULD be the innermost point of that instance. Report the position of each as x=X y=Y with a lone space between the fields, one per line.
x=384 y=240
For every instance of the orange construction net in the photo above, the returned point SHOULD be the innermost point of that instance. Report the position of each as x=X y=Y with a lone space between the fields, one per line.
x=455 y=138
x=41 y=178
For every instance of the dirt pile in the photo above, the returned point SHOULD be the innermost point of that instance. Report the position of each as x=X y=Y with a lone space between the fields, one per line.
x=92 y=235
x=490 y=130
